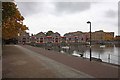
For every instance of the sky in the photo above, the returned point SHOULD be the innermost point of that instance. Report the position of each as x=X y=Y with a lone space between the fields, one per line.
x=69 y=16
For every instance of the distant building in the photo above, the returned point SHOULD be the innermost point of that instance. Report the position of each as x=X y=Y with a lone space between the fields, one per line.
x=108 y=36
x=40 y=38
x=117 y=38
x=86 y=36
x=78 y=36
x=98 y=36
x=101 y=36
x=69 y=37
x=56 y=37
x=49 y=39
x=63 y=39
x=74 y=37
x=23 y=37
x=32 y=39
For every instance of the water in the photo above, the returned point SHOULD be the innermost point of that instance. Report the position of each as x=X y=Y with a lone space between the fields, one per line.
x=107 y=53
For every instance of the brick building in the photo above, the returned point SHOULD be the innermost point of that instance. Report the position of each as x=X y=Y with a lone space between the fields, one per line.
x=56 y=37
x=40 y=38
x=101 y=36
x=23 y=37
x=71 y=37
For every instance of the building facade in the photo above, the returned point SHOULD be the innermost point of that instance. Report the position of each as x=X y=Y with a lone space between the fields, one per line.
x=23 y=37
x=40 y=37
x=101 y=36
x=56 y=37
x=117 y=38
x=72 y=37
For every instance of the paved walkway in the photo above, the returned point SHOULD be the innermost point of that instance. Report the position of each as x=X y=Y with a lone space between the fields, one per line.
x=28 y=61
x=93 y=68
x=19 y=62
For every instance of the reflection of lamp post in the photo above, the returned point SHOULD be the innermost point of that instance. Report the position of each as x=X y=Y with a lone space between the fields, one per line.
x=90 y=38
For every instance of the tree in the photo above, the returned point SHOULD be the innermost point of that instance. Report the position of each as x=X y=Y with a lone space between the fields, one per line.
x=12 y=21
x=49 y=33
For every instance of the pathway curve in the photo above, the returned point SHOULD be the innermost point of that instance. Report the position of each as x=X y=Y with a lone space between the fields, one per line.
x=93 y=68
x=20 y=62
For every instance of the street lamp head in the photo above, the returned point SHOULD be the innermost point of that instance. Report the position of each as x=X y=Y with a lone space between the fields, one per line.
x=88 y=22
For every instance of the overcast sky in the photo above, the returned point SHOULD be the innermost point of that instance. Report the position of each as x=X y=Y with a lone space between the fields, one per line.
x=64 y=17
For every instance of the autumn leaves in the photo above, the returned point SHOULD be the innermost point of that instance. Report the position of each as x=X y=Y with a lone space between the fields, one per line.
x=12 y=21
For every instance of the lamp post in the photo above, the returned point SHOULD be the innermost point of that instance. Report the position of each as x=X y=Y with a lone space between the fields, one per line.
x=90 y=40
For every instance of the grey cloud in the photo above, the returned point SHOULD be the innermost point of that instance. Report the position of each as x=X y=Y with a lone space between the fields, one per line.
x=72 y=7
x=111 y=14
x=29 y=8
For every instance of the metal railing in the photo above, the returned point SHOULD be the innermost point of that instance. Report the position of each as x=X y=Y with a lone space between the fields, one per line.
x=110 y=58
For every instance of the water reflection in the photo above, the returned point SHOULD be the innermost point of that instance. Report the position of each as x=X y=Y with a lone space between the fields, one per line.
x=108 y=53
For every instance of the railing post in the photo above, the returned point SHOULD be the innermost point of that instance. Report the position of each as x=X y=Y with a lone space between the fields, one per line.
x=85 y=54
x=99 y=55
x=109 y=58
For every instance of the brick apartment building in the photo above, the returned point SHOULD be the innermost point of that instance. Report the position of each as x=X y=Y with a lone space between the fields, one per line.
x=102 y=36
x=23 y=37
x=71 y=37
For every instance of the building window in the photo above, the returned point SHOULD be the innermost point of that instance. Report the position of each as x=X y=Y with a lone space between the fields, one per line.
x=69 y=38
